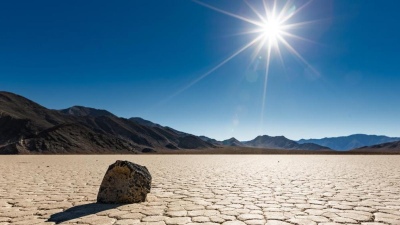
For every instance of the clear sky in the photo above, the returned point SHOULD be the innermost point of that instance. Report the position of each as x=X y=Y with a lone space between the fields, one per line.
x=135 y=58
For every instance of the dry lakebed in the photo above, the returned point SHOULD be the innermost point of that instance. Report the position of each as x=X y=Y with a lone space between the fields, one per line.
x=206 y=189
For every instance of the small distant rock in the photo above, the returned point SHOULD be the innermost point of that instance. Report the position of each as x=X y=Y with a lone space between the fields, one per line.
x=124 y=182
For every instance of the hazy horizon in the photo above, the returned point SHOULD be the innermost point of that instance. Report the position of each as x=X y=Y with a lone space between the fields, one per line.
x=144 y=59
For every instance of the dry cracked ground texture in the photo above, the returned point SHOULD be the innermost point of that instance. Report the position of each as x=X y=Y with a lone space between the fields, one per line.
x=201 y=189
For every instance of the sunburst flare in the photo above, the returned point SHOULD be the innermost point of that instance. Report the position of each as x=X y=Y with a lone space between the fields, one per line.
x=273 y=28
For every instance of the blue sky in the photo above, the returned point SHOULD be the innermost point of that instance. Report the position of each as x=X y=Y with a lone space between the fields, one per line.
x=131 y=57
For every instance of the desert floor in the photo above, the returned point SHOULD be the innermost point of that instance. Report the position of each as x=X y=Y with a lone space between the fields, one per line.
x=207 y=189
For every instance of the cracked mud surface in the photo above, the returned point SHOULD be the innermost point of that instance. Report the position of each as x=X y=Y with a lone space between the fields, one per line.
x=206 y=189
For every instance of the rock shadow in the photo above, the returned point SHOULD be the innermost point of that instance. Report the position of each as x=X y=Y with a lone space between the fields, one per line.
x=80 y=211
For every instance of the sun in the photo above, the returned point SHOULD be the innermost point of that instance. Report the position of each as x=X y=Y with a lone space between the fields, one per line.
x=273 y=25
x=272 y=30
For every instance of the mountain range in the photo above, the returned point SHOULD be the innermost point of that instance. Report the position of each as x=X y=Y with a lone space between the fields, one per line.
x=265 y=141
x=28 y=128
x=281 y=142
x=354 y=141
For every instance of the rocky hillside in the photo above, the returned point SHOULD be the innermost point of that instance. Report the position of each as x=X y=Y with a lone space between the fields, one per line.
x=27 y=127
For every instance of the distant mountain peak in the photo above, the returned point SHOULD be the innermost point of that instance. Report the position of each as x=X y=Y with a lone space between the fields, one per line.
x=232 y=142
x=232 y=139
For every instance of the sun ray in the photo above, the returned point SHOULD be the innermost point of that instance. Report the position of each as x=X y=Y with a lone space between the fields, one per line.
x=253 y=31
x=258 y=49
x=294 y=52
x=216 y=67
x=268 y=60
x=255 y=11
x=273 y=14
x=229 y=13
x=303 y=23
x=278 y=50
x=265 y=9
x=296 y=11
x=284 y=33
x=284 y=10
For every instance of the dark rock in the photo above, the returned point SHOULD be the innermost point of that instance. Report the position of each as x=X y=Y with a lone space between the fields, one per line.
x=124 y=182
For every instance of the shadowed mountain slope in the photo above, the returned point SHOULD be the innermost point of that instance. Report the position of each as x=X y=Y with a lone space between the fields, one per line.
x=27 y=127
x=210 y=140
x=144 y=122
